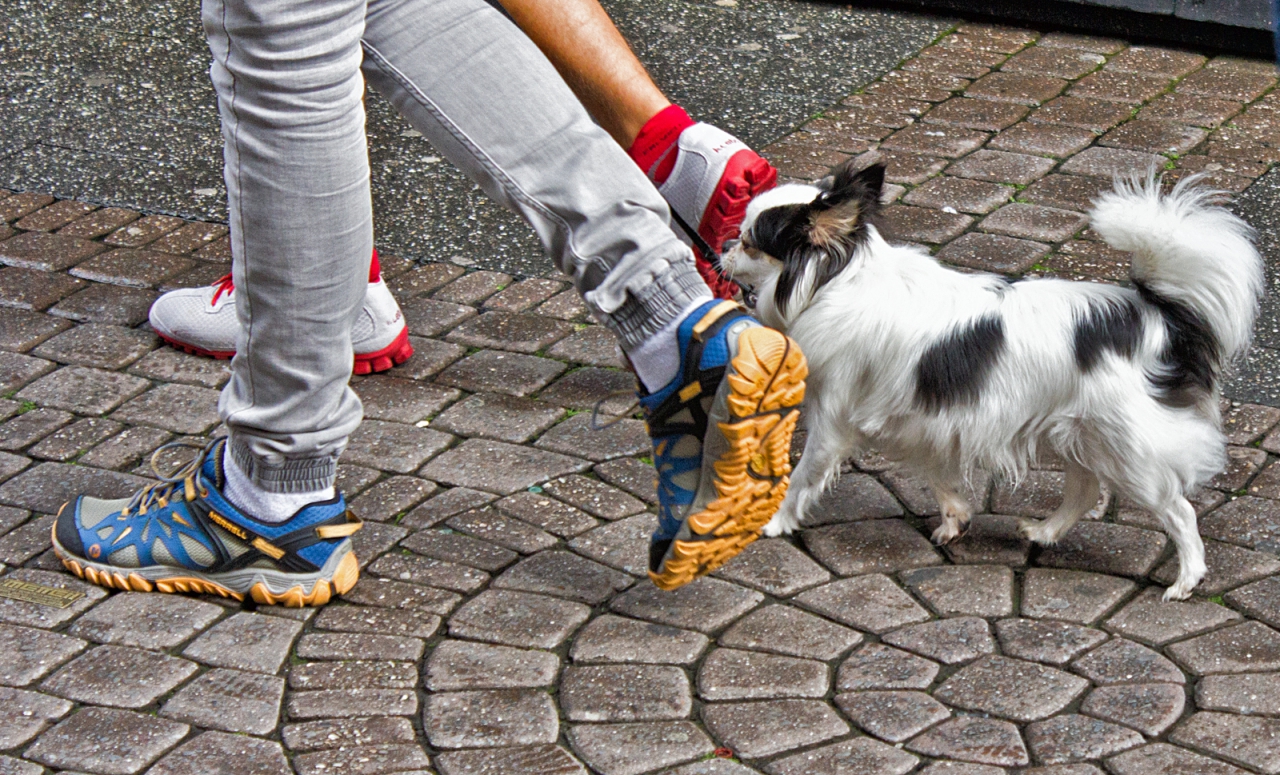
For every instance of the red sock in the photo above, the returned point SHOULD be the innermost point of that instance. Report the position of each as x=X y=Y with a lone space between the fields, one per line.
x=654 y=148
x=375 y=268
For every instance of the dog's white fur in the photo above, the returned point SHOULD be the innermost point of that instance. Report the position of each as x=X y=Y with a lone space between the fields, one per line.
x=865 y=330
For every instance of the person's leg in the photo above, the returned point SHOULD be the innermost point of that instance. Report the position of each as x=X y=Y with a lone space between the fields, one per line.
x=719 y=390
x=257 y=514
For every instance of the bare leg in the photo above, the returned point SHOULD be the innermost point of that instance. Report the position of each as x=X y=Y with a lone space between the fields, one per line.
x=594 y=59
x=819 y=464
x=1179 y=521
x=1079 y=495
x=956 y=512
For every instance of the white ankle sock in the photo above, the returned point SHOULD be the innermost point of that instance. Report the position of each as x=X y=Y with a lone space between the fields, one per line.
x=273 y=507
x=657 y=359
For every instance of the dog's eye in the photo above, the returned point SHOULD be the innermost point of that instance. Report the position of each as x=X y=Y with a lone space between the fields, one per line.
x=730 y=244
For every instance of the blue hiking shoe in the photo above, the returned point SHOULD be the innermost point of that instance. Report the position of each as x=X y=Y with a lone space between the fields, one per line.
x=721 y=440
x=181 y=535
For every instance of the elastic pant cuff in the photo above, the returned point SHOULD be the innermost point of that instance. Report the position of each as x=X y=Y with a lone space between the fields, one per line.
x=290 y=476
x=647 y=310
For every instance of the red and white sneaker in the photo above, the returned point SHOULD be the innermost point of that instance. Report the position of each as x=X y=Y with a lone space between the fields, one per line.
x=714 y=177
x=202 y=321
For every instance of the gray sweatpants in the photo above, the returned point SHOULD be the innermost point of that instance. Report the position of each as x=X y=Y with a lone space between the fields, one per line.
x=288 y=74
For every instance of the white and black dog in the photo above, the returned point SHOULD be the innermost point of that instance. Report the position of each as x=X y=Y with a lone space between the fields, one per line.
x=946 y=372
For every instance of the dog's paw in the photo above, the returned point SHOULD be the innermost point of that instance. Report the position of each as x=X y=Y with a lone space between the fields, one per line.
x=781 y=524
x=1181 y=589
x=949 y=531
x=1037 y=532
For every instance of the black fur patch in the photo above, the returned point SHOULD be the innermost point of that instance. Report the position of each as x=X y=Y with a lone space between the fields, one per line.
x=1106 y=326
x=954 y=369
x=1193 y=354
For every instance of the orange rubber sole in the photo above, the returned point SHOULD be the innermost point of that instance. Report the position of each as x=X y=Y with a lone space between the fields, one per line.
x=344 y=578
x=752 y=476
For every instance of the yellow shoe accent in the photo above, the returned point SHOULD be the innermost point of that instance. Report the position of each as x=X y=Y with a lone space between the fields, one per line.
x=766 y=384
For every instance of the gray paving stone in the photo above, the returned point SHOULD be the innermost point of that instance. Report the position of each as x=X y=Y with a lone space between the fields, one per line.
x=499 y=468
x=20 y=329
x=385 y=593
x=23 y=715
x=146 y=621
x=125 y=449
x=83 y=390
x=894 y=716
x=246 y=642
x=1245 y=648
x=347 y=703
x=99 y=346
x=590 y=386
x=169 y=365
x=705 y=604
x=1248 y=521
x=1125 y=662
x=1254 y=694
x=859 y=756
x=972 y=739
x=623 y=693
x=1072 y=596
x=433 y=573
x=630 y=749
x=351 y=645
x=623 y=544
x=346 y=733
x=510 y=331
x=876 y=666
x=758 y=729
x=1150 y=619
x=950 y=641
x=365 y=760
x=517 y=619
x=1011 y=688
x=1103 y=547
x=424 y=279
x=1165 y=759
x=11 y=465
x=18 y=370
x=392 y=497
x=21 y=544
x=488 y=719
x=30 y=653
x=785 y=630
x=491 y=371
x=402 y=400
x=1148 y=708
x=1259 y=600
x=533 y=760
x=230 y=701
x=29 y=427
x=356 y=674
x=546 y=514
x=611 y=638
x=429 y=317
x=712 y=766
x=566 y=575
x=854 y=497
x=991 y=540
x=959 y=768
x=875 y=546
x=106 y=741
x=1250 y=741
x=1229 y=567
x=11 y=518
x=593 y=496
x=32 y=289
x=575 y=436
x=634 y=476
x=487 y=524
x=32 y=615
x=775 y=567
x=70 y=441
x=178 y=408
x=395 y=447
x=12 y=766
x=872 y=602
x=500 y=417
x=374 y=539
x=46 y=252
x=411 y=623
x=970 y=590
x=1054 y=643
x=1072 y=738
x=449 y=502
x=448 y=545
x=118 y=676
x=217 y=753
x=731 y=674
x=456 y=665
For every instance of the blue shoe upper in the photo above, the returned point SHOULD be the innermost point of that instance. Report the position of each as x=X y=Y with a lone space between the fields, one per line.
x=185 y=521
x=678 y=423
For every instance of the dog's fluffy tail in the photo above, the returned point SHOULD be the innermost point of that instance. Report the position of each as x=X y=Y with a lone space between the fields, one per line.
x=1192 y=258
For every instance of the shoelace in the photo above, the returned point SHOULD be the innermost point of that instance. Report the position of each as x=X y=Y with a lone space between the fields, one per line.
x=159 y=493
x=224 y=285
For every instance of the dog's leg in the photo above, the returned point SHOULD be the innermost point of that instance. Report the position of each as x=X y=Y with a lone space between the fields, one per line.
x=1179 y=521
x=955 y=510
x=1080 y=493
x=827 y=445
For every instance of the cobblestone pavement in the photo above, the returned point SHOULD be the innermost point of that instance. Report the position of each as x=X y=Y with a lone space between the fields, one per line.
x=503 y=624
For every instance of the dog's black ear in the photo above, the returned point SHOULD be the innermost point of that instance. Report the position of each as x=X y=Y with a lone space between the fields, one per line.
x=849 y=201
